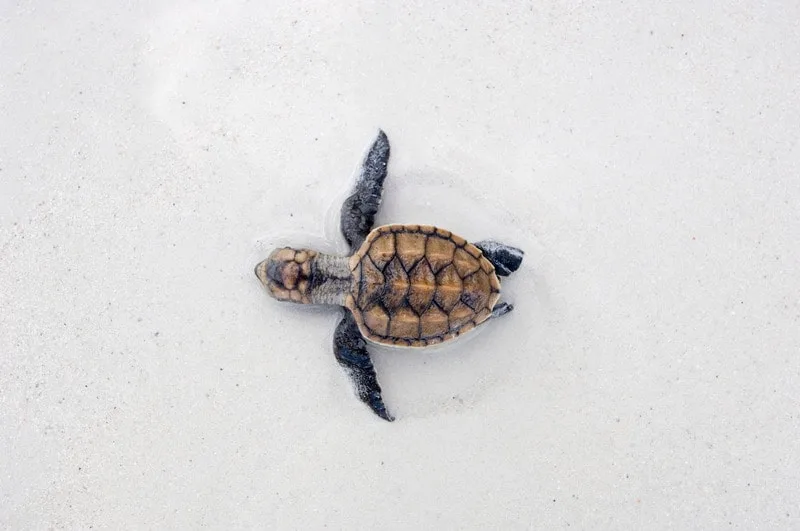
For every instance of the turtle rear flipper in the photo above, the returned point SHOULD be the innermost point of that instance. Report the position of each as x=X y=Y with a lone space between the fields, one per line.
x=501 y=308
x=358 y=211
x=351 y=353
x=504 y=258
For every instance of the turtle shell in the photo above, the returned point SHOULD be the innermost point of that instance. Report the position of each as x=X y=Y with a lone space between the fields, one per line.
x=417 y=285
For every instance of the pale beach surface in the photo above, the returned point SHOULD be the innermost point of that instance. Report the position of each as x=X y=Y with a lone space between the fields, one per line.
x=645 y=155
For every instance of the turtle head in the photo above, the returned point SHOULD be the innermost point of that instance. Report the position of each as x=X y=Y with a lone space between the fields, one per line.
x=287 y=274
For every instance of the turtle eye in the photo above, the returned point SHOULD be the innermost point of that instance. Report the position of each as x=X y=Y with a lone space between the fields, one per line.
x=274 y=272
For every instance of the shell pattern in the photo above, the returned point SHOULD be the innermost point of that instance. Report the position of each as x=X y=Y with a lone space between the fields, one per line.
x=416 y=285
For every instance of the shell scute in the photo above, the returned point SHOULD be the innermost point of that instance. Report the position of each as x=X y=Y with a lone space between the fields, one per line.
x=410 y=248
x=382 y=250
x=458 y=240
x=494 y=282
x=476 y=291
x=439 y=253
x=460 y=315
x=465 y=263
x=448 y=288
x=423 y=286
x=377 y=320
x=404 y=324
x=427 y=229
x=397 y=284
x=372 y=284
x=483 y=315
x=433 y=322
x=473 y=251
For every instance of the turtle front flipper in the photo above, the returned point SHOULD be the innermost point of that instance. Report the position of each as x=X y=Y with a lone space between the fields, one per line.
x=504 y=258
x=358 y=211
x=351 y=352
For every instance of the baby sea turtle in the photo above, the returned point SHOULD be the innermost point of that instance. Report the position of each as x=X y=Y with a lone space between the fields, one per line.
x=403 y=285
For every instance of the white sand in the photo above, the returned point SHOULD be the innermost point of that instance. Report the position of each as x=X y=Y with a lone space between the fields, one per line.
x=646 y=158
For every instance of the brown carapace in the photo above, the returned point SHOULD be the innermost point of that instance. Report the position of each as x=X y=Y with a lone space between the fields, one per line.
x=416 y=285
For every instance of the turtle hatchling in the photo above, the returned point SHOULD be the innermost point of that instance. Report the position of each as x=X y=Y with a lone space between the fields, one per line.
x=403 y=285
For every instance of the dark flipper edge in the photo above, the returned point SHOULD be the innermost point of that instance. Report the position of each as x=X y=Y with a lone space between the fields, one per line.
x=358 y=211
x=504 y=258
x=351 y=352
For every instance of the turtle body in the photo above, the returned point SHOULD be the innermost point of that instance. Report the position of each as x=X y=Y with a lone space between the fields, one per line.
x=417 y=285
x=402 y=285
